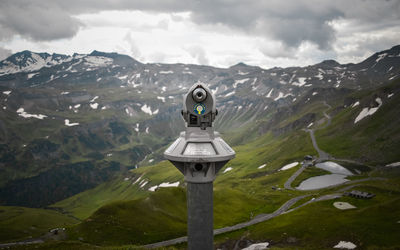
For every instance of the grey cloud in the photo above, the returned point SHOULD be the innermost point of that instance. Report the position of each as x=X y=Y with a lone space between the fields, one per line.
x=199 y=54
x=290 y=22
x=157 y=56
x=163 y=24
x=37 y=20
x=278 y=51
x=133 y=48
x=363 y=47
x=4 y=53
x=295 y=22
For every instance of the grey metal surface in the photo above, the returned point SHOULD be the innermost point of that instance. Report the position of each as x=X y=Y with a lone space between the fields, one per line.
x=199 y=153
x=176 y=151
x=200 y=216
x=201 y=163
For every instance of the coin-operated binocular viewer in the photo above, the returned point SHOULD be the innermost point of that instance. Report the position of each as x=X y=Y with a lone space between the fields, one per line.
x=199 y=153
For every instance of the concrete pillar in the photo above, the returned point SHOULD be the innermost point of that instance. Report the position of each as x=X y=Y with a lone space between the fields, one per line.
x=200 y=216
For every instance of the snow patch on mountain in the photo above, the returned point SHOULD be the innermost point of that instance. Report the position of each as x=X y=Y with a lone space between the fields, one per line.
x=161 y=98
x=97 y=61
x=31 y=62
x=280 y=95
x=229 y=94
x=319 y=76
x=381 y=56
x=301 y=81
x=67 y=123
x=240 y=82
x=270 y=93
x=345 y=245
x=144 y=184
x=368 y=111
x=355 y=104
x=31 y=75
x=227 y=169
x=122 y=77
x=94 y=98
x=21 y=112
x=289 y=166
x=147 y=109
x=214 y=91
x=394 y=164
x=94 y=105
x=257 y=246
x=164 y=184
x=262 y=166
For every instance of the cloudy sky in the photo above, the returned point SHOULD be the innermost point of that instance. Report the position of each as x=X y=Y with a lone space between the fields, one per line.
x=212 y=32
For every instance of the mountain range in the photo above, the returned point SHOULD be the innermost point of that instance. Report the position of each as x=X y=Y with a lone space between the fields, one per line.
x=78 y=132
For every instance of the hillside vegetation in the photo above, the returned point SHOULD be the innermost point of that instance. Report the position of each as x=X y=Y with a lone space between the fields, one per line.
x=102 y=175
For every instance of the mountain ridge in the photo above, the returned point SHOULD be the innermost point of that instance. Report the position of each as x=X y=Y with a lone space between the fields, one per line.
x=85 y=137
x=105 y=107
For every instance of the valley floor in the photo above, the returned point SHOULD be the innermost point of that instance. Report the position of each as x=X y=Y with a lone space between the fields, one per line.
x=305 y=219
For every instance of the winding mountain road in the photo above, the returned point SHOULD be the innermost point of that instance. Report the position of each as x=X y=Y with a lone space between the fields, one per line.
x=322 y=155
x=288 y=183
x=259 y=218
x=285 y=208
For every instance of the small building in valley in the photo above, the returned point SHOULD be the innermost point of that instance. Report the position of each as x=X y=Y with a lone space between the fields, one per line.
x=309 y=161
x=359 y=194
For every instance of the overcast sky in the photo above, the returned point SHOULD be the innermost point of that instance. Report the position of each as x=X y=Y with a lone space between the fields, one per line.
x=212 y=32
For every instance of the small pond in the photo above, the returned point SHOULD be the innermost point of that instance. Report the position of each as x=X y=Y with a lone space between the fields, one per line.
x=333 y=167
x=338 y=176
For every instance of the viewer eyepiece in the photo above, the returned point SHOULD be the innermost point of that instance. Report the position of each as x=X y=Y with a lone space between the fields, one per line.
x=199 y=94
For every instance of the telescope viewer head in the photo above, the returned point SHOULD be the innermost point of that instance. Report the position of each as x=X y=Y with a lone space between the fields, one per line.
x=199 y=107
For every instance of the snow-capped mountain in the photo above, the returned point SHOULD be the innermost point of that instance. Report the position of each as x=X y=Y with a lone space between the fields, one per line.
x=27 y=61
x=107 y=107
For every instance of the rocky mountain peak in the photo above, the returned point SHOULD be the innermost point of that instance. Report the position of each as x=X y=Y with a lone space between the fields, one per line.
x=329 y=63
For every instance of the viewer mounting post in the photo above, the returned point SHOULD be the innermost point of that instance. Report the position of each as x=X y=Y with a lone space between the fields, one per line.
x=199 y=153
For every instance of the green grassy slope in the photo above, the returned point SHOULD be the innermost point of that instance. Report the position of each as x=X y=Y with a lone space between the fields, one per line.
x=124 y=187
x=18 y=223
x=239 y=195
x=124 y=211
x=374 y=139
x=374 y=224
x=275 y=151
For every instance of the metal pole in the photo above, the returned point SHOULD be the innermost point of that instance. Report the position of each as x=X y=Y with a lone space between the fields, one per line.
x=200 y=216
